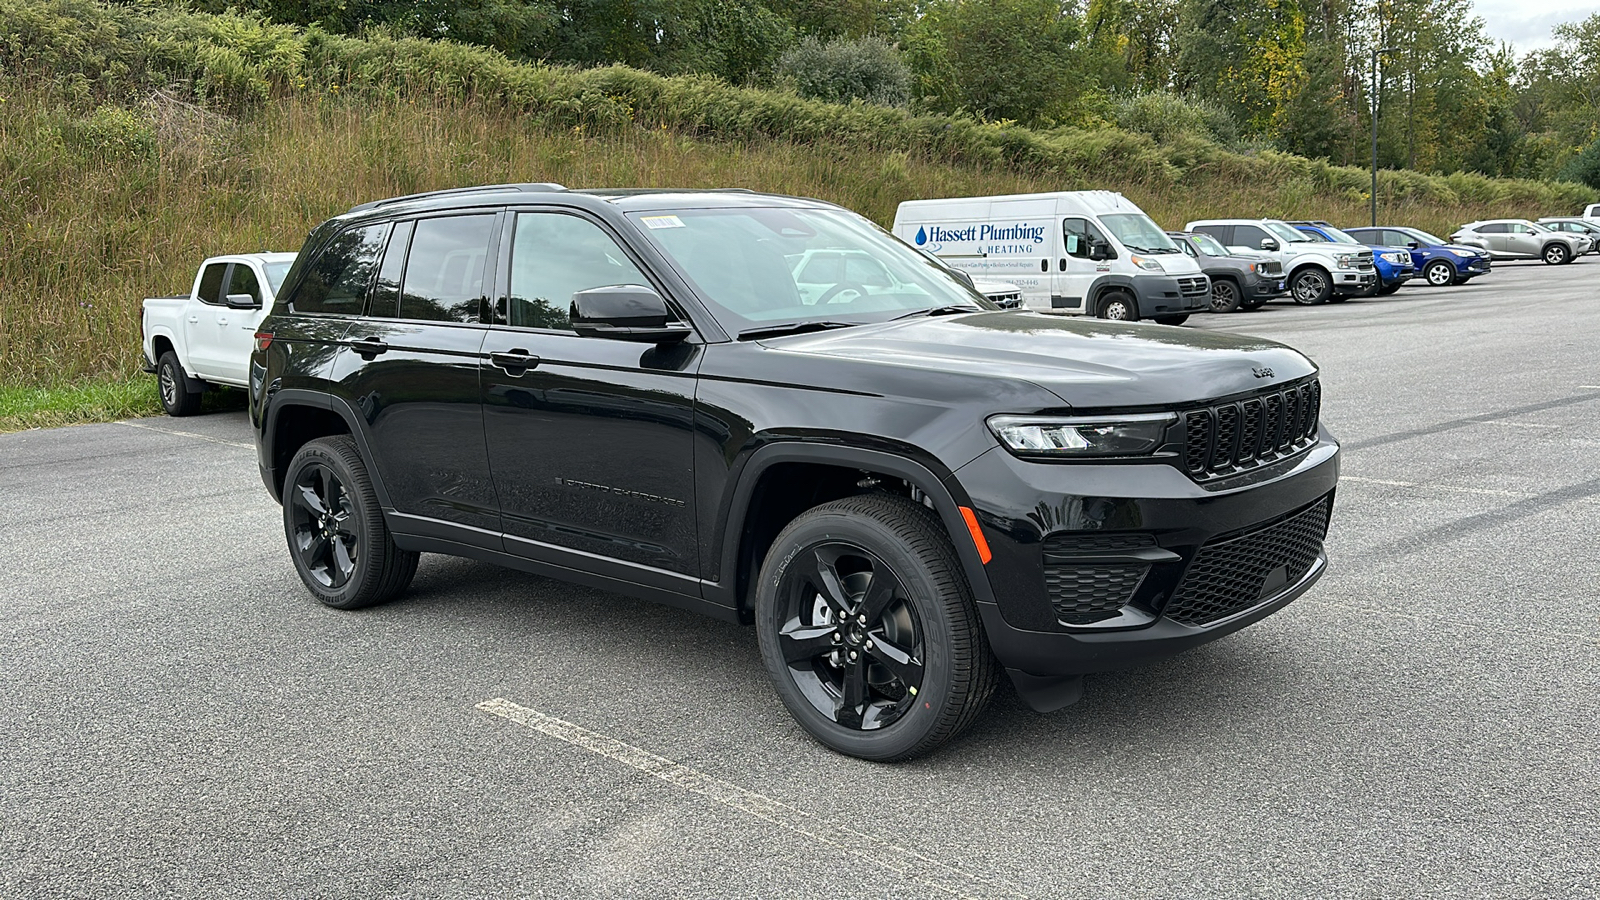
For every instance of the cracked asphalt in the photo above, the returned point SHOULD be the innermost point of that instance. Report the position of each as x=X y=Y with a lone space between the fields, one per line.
x=179 y=718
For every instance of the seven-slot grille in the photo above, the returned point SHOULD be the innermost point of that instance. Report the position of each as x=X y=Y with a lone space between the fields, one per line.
x=1192 y=286
x=1225 y=438
x=1237 y=573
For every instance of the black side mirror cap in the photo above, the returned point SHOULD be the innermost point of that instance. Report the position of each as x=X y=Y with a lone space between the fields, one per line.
x=241 y=301
x=1413 y=245
x=625 y=312
x=1100 y=250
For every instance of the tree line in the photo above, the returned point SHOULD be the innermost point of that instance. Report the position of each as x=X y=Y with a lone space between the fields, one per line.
x=1292 y=75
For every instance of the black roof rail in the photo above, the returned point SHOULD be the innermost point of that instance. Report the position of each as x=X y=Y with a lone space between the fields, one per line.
x=529 y=187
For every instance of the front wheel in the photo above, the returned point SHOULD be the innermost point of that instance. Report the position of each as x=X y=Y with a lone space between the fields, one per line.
x=1119 y=306
x=1386 y=290
x=1556 y=255
x=1440 y=273
x=1224 y=296
x=176 y=399
x=337 y=537
x=869 y=631
x=1311 y=286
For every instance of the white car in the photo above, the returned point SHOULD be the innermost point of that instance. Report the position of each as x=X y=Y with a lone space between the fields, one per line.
x=204 y=338
x=1522 y=239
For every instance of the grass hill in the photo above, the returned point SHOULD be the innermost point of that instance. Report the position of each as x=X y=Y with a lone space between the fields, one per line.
x=136 y=140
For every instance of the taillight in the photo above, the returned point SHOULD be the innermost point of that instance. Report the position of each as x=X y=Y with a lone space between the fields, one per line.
x=263 y=340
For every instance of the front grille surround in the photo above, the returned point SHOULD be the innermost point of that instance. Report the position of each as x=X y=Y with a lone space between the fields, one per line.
x=1194 y=286
x=1235 y=436
x=1231 y=575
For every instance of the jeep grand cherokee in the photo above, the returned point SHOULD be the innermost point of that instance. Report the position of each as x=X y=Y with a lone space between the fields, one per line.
x=770 y=410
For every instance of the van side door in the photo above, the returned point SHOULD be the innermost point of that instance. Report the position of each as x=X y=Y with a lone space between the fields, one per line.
x=1076 y=272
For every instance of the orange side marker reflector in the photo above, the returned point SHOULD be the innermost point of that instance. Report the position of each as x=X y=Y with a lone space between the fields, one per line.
x=977 y=534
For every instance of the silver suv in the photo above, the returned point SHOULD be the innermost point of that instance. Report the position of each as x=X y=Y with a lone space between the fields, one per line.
x=1574 y=225
x=1522 y=239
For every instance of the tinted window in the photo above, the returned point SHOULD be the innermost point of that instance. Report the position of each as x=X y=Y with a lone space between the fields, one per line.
x=210 y=290
x=444 y=270
x=1079 y=234
x=337 y=282
x=243 y=281
x=1249 y=236
x=1492 y=228
x=554 y=256
x=386 y=290
x=1223 y=233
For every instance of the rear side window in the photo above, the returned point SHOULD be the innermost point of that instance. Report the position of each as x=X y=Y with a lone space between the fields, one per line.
x=337 y=282
x=210 y=290
x=1493 y=228
x=444 y=270
x=243 y=281
x=1223 y=233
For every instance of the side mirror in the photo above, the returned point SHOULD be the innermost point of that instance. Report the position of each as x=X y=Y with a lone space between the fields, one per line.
x=1413 y=245
x=625 y=312
x=1270 y=245
x=241 y=301
x=1100 y=250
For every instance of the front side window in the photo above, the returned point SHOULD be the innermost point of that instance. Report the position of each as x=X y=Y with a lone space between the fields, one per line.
x=555 y=255
x=337 y=282
x=1080 y=235
x=243 y=281
x=1249 y=235
x=444 y=269
x=210 y=290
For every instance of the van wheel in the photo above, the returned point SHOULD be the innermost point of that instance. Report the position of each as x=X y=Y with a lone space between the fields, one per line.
x=1119 y=305
x=1311 y=286
x=1224 y=295
x=173 y=385
x=1440 y=273
x=1556 y=255
x=868 y=629
x=337 y=537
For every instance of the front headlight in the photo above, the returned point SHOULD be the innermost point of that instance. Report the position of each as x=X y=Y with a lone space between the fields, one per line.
x=1464 y=254
x=1393 y=257
x=1145 y=262
x=1082 y=436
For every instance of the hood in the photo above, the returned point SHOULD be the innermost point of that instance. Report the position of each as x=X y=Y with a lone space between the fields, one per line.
x=1473 y=247
x=1088 y=363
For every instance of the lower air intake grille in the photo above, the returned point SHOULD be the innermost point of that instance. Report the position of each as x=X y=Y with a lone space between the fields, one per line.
x=1236 y=573
x=1085 y=587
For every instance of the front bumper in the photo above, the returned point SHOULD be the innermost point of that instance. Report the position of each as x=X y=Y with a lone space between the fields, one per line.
x=1166 y=295
x=1257 y=285
x=1354 y=281
x=1030 y=510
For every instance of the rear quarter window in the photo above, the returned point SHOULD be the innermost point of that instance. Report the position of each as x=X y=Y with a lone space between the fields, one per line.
x=336 y=283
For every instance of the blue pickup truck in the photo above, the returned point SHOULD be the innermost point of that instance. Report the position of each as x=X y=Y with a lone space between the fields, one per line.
x=1394 y=265
x=1440 y=262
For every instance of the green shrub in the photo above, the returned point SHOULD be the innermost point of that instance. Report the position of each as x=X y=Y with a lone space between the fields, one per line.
x=868 y=69
x=110 y=134
x=1584 y=168
x=1167 y=117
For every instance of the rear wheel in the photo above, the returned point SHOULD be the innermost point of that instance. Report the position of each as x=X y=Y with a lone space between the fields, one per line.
x=1311 y=286
x=1556 y=254
x=1440 y=273
x=173 y=385
x=1119 y=305
x=1224 y=295
x=337 y=537
x=868 y=629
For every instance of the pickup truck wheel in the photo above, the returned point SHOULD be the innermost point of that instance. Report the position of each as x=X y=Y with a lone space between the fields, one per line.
x=337 y=537
x=1440 y=273
x=1311 y=286
x=868 y=629
x=1120 y=306
x=1224 y=295
x=173 y=385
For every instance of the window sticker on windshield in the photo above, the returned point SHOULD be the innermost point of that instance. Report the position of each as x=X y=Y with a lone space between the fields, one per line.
x=661 y=221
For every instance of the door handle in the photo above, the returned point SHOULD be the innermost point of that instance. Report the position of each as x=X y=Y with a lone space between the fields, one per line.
x=222 y=320
x=194 y=318
x=515 y=361
x=368 y=348
x=1063 y=264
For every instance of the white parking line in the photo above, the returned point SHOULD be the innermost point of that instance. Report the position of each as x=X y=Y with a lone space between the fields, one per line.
x=190 y=434
x=1519 y=424
x=904 y=861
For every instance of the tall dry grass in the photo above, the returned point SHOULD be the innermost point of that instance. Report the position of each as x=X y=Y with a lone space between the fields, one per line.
x=102 y=207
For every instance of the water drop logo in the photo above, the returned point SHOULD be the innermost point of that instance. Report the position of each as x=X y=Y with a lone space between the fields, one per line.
x=922 y=236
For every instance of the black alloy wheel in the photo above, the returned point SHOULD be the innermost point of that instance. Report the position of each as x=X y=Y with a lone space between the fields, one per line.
x=1440 y=273
x=173 y=386
x=1556 y=254
x=335 y=529
x=868 y=629
x=1224 y=296
x=1120 y=307
x=1311 y=286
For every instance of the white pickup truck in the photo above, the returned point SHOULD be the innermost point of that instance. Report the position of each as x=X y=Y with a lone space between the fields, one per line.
x=205 y=338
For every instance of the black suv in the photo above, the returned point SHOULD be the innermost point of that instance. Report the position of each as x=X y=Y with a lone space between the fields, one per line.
x=770 y=410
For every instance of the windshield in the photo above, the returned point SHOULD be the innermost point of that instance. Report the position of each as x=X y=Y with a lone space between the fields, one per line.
x=1138 y=233
x=1337 y=236
x=770 y=265
x=1423 y=237
x=275 y=272
x=1209 y=245
x=1288 y=233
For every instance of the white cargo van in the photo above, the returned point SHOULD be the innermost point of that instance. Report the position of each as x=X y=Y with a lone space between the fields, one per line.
x=1076 y=252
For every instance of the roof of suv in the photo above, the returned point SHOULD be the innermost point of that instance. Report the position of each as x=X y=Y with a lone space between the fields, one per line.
x=623 y=198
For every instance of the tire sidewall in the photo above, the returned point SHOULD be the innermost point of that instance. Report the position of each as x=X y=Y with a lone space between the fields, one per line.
x=165 y=369
x=1555 y=255
x=317 y=453
x=1230 y=290
x=911 y=731
x=1441 y=266
x=1127 y=303
x=1302 y=275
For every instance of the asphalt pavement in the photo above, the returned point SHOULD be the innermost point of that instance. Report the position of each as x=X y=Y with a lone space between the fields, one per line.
x=180 y=718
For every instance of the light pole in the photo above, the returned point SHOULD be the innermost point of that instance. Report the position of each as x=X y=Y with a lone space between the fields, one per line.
x=1375 y=53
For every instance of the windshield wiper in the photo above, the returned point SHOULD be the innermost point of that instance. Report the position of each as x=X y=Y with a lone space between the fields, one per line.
x=938 y=311
x=793 y=328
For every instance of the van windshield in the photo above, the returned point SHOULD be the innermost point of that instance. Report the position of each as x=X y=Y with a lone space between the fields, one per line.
x=765 y=266
x=1138 y=233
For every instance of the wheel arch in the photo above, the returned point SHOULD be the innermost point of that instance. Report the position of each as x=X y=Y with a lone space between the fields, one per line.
x=1107 y=284
x=780 y=481
x=297 y=417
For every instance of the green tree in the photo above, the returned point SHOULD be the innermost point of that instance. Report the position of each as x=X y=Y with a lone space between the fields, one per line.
x=843 y=70
x=1001 y=59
